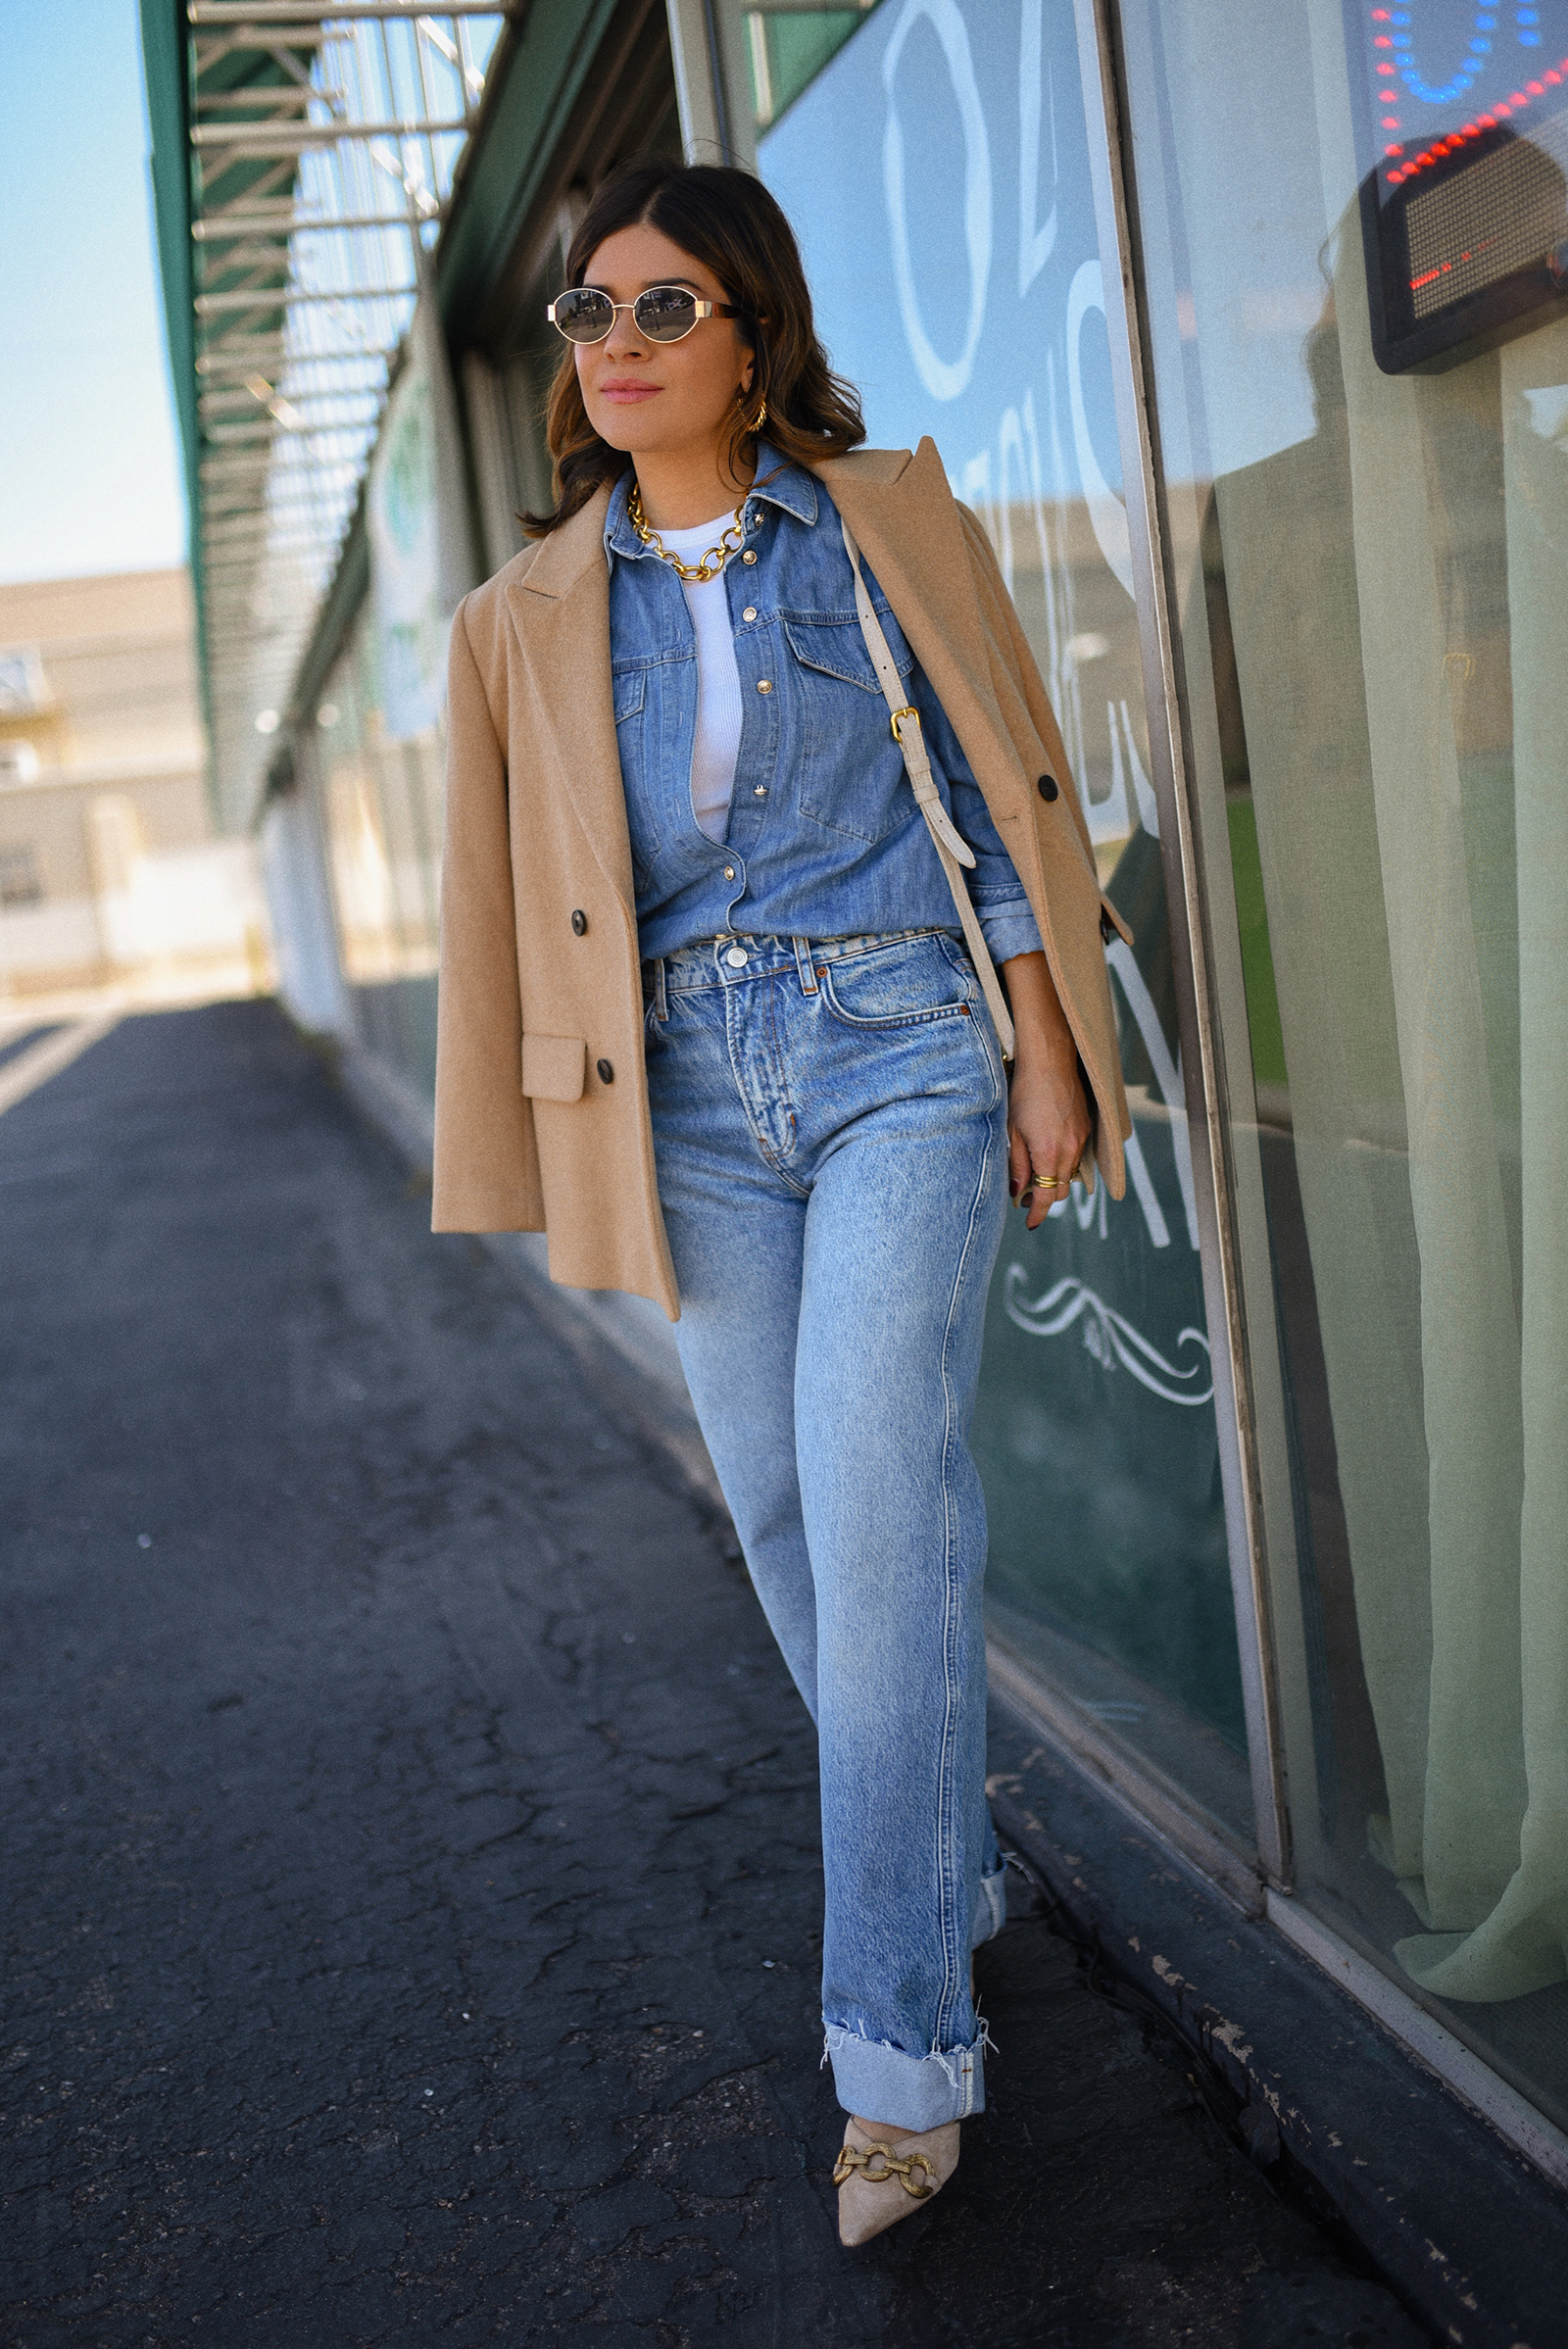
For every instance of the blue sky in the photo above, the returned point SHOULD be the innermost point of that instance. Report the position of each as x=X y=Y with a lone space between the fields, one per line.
x=90 y=476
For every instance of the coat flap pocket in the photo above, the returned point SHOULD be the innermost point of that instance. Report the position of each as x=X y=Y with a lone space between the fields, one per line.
x=554 y=1067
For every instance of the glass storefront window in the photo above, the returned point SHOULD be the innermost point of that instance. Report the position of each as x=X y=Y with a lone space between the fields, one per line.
x=768 y=57
x=380 y=807
x=1367 y=542
x=933 y=157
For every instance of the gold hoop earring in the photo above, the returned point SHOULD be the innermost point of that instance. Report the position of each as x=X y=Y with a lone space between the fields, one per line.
x=758 y=421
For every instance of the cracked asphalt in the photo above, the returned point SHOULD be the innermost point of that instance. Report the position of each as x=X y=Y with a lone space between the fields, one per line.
x=411 y=1882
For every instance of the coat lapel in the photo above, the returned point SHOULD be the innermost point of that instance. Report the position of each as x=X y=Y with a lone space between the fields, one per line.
x=560 y=613
x=905 y=520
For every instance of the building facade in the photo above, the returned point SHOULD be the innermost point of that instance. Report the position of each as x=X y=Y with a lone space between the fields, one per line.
x=1246 y=333
x=112 y=875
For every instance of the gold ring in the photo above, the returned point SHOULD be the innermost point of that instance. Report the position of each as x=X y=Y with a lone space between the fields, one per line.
x=1039 y=1182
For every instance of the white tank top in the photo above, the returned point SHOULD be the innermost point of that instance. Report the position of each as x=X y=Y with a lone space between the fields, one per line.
x=718 y=681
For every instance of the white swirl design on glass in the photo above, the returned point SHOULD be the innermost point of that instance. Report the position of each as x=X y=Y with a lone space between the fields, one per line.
x=1108 y=1337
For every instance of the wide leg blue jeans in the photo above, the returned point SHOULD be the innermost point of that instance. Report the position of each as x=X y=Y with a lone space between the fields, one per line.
x=830 y=1132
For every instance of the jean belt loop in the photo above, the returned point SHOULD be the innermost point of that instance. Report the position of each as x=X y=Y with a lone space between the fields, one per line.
x=803 y=963
x=660 y=998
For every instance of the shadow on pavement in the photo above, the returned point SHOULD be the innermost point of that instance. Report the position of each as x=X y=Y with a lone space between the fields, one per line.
x=412 y=1918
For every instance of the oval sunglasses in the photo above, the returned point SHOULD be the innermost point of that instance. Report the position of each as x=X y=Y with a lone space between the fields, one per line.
x=662 y=313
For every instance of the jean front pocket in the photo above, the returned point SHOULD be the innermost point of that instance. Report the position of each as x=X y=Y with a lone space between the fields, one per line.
x=907 y=984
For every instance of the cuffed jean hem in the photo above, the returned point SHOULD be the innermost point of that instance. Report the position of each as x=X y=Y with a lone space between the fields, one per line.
x=990 y=1914
x=906 y=2092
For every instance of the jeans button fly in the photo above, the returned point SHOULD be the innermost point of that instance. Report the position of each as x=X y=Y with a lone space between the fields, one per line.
x=737 y=958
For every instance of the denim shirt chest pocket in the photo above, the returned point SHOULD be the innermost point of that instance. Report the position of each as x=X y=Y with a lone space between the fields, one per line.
x=851 y=774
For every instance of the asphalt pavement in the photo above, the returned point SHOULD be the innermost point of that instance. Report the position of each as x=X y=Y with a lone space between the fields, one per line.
x=410 y=1869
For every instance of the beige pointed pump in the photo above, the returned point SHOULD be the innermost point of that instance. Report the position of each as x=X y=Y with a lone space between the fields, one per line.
x=884 y=2175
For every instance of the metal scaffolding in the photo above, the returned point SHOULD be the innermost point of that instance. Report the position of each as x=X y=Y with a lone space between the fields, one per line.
x=323 y=145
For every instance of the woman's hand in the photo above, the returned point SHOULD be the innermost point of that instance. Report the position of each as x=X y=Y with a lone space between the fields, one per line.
x=1047 y=1114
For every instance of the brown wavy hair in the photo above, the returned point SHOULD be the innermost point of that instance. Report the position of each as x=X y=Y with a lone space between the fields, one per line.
x=728 y=221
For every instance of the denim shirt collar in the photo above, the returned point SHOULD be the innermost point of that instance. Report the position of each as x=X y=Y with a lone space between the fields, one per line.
x=789 y=487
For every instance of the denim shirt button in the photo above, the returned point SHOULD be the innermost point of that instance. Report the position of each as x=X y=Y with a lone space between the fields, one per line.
x=729 y=872
x=750 y=555
x=765 y=684
x=749 y=614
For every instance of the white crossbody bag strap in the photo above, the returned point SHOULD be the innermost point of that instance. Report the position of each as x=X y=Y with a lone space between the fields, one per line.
x=950 y=845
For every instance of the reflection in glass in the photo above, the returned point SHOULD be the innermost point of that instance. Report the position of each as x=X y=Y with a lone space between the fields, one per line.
x=1460 y=151
x=380 y=805
x=934 y=165
x=1371 y=571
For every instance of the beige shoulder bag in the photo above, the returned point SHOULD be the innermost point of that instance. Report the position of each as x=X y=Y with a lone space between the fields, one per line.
x=952 y=850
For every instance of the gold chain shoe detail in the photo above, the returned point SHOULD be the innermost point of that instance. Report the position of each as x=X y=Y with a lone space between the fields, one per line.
x=852 y=2158
x=880 y=2183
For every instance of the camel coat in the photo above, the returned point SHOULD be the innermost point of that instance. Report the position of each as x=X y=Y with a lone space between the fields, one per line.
x=541 y=1112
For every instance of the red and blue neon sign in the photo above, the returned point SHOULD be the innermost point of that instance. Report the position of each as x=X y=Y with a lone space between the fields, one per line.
x=1464 y=172
x=1443 y=74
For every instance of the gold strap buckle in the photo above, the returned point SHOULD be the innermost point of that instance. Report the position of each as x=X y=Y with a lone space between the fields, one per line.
x=896 y=718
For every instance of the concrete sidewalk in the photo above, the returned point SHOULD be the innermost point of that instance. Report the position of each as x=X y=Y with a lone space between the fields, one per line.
x=413 y=1890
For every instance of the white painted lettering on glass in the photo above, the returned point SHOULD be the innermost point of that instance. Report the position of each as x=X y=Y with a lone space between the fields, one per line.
x=1009 y=446
x=1148 y=1197
x=943 y=379
x=1167 y=1071
x=1064 y=682
x=1108 y=517
x=1018 y=440
x=974 y=489
x=1035 y=245
x=1088 y=1206
x=1138 y=792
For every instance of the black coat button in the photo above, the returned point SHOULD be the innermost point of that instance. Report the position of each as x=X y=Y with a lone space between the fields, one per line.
x=607 y=1073
x=1048 y=787
x=579 y=921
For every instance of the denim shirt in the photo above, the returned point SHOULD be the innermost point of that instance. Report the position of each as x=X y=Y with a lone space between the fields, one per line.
x=824 y=838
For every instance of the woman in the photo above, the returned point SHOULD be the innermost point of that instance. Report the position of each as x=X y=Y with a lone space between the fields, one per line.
x=708 y=1019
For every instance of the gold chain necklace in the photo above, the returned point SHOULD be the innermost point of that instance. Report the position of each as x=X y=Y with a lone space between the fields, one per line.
x=695 y=575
